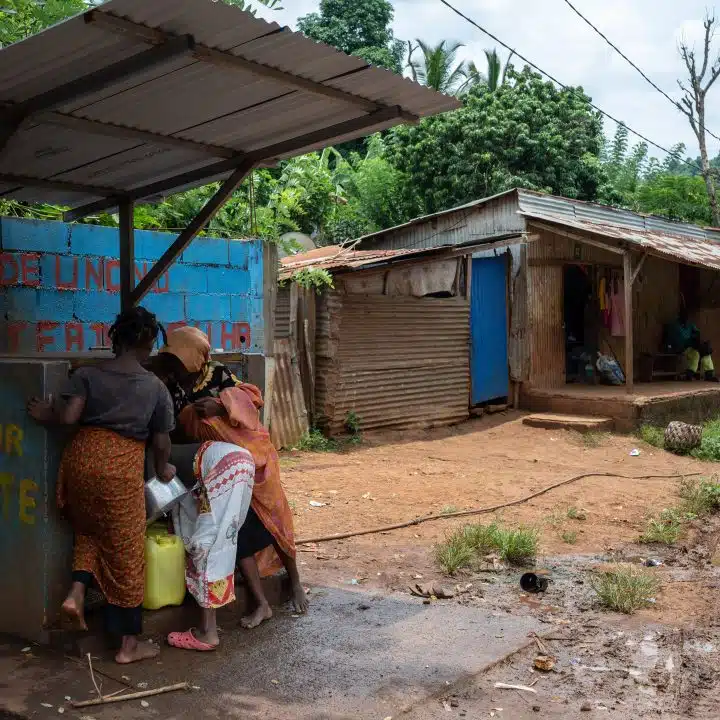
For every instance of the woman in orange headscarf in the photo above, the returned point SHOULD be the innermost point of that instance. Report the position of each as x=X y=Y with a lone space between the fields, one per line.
x=211 y=404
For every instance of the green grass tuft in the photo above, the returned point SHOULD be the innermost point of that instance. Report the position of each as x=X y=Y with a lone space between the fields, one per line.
x=315 y=441
x=465 y=547
x=569 y=537
x=625 y=588
x=652 y=435
x=699 y=497
x=453 y=554
x=518 y=546
x=665 y=528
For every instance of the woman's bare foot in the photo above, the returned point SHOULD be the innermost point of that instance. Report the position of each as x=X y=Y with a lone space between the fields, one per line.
x=73 y=609
x=300 y=599
x=263 y=613
x=132 y=652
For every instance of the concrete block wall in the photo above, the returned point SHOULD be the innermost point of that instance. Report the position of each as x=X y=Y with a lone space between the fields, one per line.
x=60 y=286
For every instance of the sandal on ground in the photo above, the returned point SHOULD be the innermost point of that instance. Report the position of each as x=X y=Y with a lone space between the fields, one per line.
x=187 y=641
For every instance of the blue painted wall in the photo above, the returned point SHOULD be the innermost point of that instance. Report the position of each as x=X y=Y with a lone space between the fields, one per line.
x=60 y=286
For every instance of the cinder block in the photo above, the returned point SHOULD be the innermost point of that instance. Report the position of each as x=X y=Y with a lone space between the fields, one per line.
x=151 y=245
x=227 y=281
x=169 y=307
x=188 y=278
x=207 y=307
x=56 y=305
x=37 y=235
x=94 y=240
x=207 y=251
x=96 y=306
x=240 y=253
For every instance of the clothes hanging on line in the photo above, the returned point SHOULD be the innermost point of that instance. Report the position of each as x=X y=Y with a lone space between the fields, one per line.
x=617 y=305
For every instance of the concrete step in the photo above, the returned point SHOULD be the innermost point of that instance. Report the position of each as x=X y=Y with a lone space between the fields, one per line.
x=579 y=423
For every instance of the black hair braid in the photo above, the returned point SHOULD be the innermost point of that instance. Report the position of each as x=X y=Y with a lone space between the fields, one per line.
x=134 y=328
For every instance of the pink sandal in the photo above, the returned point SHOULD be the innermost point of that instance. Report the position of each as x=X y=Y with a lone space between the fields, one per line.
x=187 y=641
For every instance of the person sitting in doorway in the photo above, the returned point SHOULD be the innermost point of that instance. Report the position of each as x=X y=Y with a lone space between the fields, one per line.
x=683 y=337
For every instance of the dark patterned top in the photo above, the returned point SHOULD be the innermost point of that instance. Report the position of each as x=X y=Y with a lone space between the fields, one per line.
x=213 y=378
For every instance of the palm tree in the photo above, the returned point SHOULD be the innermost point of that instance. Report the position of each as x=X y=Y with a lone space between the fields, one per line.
x=495 y=76
x=437 y=69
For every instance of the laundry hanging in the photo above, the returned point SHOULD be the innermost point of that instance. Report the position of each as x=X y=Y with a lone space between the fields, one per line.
x=617 y=305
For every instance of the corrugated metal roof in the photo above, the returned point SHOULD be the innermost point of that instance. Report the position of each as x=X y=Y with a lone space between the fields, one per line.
x=682 y=242
x=205 y=94
x=338 y=259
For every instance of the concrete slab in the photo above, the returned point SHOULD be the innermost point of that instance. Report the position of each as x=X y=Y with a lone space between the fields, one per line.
x=579 y=423
x=356 y=655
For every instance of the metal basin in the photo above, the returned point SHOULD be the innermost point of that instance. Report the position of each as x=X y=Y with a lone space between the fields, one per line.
x=161 y=497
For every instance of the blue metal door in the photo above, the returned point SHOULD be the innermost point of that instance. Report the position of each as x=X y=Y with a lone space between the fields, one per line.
x=488 y=329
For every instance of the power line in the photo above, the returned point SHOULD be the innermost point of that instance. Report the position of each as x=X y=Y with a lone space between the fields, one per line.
x=565 y=87
x=674 y=102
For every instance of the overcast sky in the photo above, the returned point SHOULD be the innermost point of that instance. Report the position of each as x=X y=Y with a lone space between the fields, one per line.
x=553 y=37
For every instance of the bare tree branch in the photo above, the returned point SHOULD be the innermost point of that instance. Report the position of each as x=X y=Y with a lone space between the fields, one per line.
x=692 y=104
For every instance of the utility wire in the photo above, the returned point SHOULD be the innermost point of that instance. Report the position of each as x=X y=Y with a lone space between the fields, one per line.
x=690 y=163
x=674 y=102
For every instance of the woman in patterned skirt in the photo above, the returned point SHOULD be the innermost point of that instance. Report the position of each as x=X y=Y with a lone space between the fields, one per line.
x=118 y=405
x=212 y=404
x=210 y=522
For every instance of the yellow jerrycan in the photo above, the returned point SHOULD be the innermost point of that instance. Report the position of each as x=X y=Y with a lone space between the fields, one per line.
x=164 y=569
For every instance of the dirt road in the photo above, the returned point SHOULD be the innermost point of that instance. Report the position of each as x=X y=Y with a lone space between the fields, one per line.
x=649 y=662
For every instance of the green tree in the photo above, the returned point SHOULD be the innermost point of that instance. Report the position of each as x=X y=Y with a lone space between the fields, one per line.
x=495 y=75
x=249 y=7
x=360 y=28
x=527 y=133
x=677 y=197
x=437 y=66
x=21 y=18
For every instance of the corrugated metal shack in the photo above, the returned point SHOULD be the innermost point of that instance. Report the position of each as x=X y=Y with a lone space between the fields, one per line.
x=657 y=264
x=391 y=339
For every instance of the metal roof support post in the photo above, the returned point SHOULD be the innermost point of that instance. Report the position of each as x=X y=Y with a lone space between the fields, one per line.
x=207 y=213
x=127 y=253
x=629 y=357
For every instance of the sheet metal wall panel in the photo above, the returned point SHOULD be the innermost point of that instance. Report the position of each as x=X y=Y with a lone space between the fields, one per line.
x=417 y=374
x=289 y=420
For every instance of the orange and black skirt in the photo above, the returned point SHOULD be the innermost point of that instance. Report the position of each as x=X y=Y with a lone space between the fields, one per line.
x=101 y=491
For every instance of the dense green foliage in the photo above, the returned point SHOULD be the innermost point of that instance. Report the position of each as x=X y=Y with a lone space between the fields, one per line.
x=20 y=18
x=670 y=189
x=527 y=133
x=357 y=28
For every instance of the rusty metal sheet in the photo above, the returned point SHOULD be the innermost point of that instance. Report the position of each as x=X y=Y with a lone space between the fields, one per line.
x=289 y=421
x=282 y=313
x=397 y=362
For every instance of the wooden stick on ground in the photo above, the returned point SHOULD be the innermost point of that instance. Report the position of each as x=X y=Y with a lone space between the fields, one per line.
x=92 y=676
x=131 y=696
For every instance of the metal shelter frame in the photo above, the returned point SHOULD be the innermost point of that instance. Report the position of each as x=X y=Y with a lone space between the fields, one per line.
x=57 y=107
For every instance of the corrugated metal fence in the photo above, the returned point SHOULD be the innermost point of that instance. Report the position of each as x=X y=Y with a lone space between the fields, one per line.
x=397 y=362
